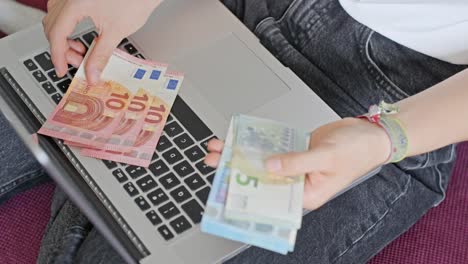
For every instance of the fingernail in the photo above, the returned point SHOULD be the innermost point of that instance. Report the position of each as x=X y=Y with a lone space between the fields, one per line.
x=273 y=165
x=94 y=76
x=57 y=72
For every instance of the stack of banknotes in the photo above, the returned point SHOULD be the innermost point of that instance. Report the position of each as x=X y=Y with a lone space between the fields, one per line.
x=248 y=204
x=122 y=117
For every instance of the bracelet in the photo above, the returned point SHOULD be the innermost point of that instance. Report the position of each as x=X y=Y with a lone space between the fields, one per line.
x=381 y=115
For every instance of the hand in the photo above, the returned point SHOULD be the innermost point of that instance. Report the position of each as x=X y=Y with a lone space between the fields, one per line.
x=114 y=19
x=339 y=153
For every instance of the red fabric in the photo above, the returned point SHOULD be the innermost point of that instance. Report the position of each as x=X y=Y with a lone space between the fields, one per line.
x=441 y=236
x=22 y=223
x=41 y=4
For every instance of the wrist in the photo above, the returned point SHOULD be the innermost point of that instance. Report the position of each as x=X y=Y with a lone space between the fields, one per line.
x=378 y=142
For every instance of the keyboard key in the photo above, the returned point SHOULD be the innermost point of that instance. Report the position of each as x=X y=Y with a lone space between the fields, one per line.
x=169 y=118
x=120 y=175
x=193 y=210
x=163 y=144
x=154 y=157
x=154 y=217
x=180 y=224
x=47 y=86
x=146 y=183
x=205 y=143
x=168 y=210
x=63 y=86
x=57 y=98
x=53 y=76
x=183 y=169
x=194 y=182
x=140 y=56
x=172 y=156
x=210 y=178
x=157 y=197
x=158 y=168
x=203 y=194
x=125 y=40
x=173 y=129
x=194 y=153
x=183 y=141
x=110 y=164
x=203 y=168
x=190 y=120
x=39 y=76
x=131 y=189
x=130 y=48
x=169 y=181
x=135 y=171
x=142 y=203
x=89 y=37
x=180 y=194
x=72 y=72
x=30 y=65
x=165 y=232
x=45 y=61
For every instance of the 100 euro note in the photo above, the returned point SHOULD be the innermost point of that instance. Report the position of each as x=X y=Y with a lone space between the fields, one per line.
x=255 y=194
x=89 y=114
x=141 y=152
x=278 y=239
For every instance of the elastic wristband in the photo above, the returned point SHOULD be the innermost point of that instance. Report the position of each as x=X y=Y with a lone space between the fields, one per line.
x=398 y=138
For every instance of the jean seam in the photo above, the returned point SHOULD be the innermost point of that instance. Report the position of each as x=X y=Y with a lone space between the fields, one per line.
x=375 y=224
x=376 y=72
x=275 y=20
x=7 y=187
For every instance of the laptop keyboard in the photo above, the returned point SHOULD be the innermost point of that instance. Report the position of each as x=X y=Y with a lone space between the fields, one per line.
x=173 y=191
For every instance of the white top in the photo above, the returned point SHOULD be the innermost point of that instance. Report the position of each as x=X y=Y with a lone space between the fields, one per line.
x=438 y=28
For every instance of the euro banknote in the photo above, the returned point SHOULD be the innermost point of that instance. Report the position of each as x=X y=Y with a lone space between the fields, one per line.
x=255 y=194
x=92 y=114
x=122 y=117
x=142 y=150
x=265 y=235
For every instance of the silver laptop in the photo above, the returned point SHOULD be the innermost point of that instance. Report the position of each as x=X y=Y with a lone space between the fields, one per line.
x=152 y=215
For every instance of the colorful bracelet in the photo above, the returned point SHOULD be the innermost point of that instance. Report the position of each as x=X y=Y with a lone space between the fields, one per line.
x=381 y=115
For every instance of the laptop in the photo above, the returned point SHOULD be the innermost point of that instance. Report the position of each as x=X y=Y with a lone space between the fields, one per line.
x=152 y=215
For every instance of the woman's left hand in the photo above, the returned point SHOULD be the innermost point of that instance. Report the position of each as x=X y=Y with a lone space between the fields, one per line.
x=338 y=154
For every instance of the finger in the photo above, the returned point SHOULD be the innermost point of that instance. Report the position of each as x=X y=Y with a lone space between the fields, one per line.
x=212 y=159
x=74 y=58
x=296 y=163
x=215 y=145
x=100 y=54
x=77 y=46
x=58 y=36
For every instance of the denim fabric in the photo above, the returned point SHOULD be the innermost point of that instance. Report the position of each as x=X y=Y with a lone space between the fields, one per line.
x=18 y=168
x=350 y=67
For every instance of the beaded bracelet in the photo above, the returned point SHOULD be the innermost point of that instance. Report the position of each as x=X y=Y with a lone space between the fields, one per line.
x=381 y=115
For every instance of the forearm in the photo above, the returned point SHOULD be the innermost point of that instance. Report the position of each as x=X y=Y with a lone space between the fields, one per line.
x=437 y=116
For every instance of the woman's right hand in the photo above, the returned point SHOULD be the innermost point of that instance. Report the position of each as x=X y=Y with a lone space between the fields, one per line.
x=114 y=19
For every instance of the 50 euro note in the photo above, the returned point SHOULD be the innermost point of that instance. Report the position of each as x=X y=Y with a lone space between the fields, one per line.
x=141 y=152
x=90 y=114
x=265 y=235
x=255 y=194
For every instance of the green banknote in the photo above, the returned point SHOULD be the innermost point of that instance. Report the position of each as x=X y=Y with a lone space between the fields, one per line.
x=253 y=193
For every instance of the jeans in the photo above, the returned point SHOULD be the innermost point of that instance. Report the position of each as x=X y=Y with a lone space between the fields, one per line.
x=350 y=67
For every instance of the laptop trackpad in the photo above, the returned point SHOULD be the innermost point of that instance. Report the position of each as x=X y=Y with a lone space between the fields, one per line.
x=230 y=76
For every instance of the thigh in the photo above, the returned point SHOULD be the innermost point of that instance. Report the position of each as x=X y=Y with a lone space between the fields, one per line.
x=19 y=169
x=350 y=67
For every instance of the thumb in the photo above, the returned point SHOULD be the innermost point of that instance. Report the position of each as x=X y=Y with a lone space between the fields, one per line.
x=100 y=55
x=295 y=163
